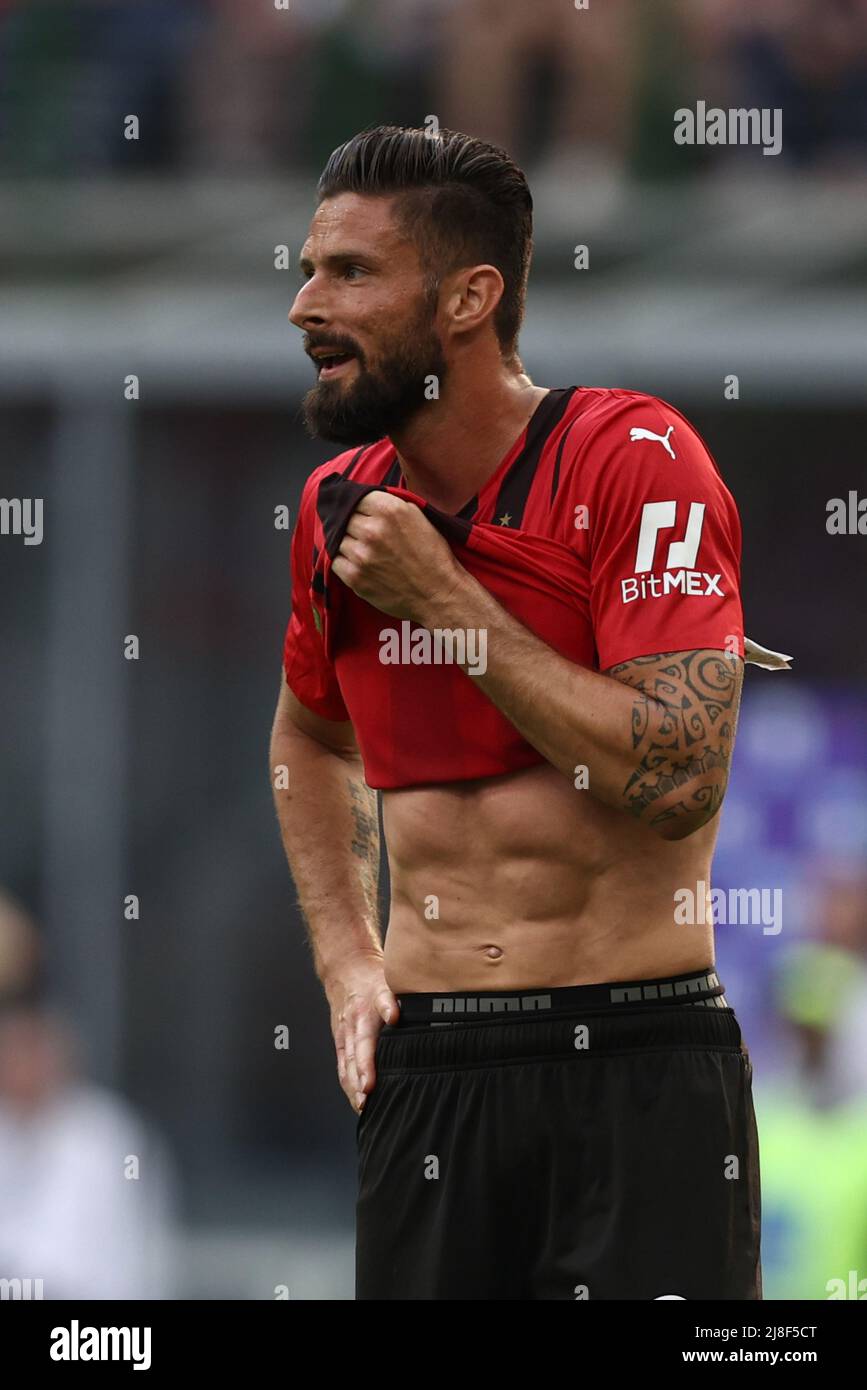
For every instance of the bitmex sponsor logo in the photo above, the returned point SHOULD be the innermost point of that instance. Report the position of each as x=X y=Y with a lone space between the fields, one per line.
x=76 y=1343
x=695 y=582
x=443 y=646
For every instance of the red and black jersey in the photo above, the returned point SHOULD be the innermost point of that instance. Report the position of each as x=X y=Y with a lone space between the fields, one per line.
x=606 y=530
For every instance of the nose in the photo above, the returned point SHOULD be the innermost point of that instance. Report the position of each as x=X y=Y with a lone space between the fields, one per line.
x=308 y=311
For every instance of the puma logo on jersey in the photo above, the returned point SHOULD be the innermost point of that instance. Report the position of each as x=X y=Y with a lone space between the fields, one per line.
x=663 y=439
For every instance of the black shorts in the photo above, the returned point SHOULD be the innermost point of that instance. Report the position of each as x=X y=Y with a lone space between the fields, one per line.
x=592 y=1142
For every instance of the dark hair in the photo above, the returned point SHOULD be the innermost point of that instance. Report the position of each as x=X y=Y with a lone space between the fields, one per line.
x=463 y=202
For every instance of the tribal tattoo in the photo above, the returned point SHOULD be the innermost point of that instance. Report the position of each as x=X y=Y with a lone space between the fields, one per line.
x=683 y=729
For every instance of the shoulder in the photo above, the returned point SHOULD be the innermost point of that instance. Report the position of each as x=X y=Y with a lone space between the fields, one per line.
x=616 y=431
x=608 y=415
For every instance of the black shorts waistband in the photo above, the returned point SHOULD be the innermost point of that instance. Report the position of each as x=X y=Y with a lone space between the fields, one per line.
x=444 y=1009
x=577 y=1022
x=577 y=1036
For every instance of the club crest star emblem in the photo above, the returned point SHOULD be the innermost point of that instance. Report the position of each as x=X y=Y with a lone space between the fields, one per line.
x=506 y=519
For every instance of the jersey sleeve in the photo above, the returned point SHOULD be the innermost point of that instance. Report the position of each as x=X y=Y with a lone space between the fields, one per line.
x=309 y=674
x=664 y=542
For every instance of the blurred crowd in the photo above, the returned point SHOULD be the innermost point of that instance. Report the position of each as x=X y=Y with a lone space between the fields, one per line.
x=88 y=1195
x=274 y=85
x=812 y=1109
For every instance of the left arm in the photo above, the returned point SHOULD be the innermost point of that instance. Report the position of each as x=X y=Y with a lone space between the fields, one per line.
x=655 y=733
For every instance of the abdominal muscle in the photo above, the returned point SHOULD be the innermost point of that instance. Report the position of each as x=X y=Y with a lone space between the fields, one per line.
x=522 y=881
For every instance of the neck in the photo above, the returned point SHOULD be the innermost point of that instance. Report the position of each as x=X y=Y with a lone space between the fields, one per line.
x=452 y=447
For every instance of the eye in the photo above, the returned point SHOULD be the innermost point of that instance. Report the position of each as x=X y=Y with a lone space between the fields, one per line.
x=351 y=270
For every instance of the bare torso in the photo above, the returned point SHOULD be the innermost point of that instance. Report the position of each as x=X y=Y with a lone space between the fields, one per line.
x=524 y=881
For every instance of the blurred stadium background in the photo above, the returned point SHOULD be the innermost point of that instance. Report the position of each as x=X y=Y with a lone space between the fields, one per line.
x=153 y=1039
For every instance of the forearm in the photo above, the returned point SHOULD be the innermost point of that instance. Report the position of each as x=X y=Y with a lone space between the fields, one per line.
x=653 y=739
x=330 y=832
x=573 y=716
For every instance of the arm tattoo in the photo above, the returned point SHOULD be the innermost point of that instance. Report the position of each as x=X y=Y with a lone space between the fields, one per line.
x=365 y=839
x=683 y=728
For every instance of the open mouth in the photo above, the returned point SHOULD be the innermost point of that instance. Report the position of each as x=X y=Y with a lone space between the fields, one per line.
x=332 y=364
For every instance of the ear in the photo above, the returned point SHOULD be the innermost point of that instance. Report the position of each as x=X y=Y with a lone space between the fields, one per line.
x=471 y=297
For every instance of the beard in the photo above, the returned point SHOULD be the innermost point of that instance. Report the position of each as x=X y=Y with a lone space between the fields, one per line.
x=379 y=401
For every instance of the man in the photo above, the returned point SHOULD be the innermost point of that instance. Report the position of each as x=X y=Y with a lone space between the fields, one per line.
x=515 y=611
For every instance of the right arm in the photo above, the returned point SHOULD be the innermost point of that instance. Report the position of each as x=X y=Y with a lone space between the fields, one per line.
x=330 y=831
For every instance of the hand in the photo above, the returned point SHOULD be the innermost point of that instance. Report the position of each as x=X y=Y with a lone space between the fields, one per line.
x=361 y=1002
x=393 y=557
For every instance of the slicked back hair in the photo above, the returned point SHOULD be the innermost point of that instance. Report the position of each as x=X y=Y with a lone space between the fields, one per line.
x=461 y=201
